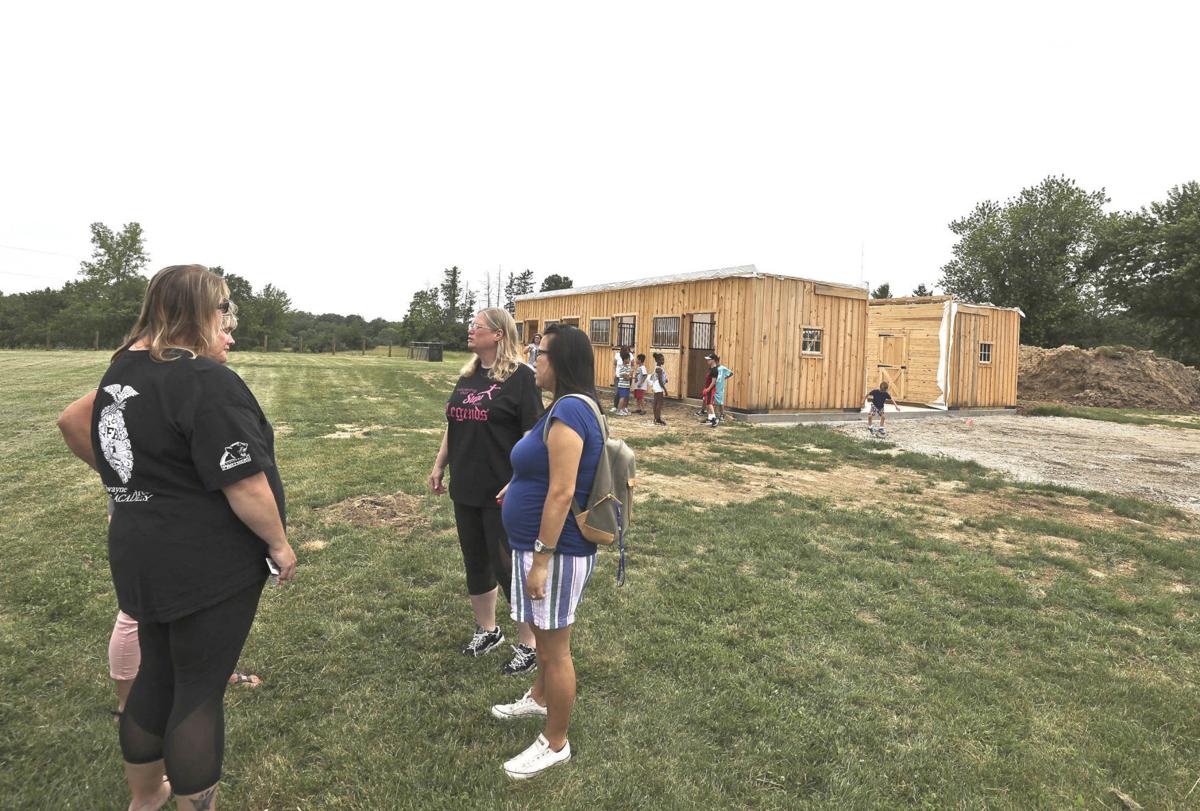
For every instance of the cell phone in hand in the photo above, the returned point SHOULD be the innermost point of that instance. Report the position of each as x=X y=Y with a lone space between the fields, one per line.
x=274 y=570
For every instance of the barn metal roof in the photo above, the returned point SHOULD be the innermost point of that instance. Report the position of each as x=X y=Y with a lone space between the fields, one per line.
x=739 y=272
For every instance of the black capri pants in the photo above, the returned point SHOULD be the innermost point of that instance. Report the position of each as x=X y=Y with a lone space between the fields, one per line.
x=175 y=710
x=486 y=555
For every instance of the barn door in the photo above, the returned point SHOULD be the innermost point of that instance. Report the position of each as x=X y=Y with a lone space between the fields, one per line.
x=966 y=350
x=703 y=340
x=893 y=363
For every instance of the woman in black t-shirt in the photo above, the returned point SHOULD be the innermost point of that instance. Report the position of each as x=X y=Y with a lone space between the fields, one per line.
x=493 y=405
x=188 y=458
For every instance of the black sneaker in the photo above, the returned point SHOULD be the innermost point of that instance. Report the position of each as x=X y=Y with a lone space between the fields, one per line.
x=483 y=641
x=524 y=661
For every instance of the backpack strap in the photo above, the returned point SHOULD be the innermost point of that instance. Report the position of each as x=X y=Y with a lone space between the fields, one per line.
x=603 y=423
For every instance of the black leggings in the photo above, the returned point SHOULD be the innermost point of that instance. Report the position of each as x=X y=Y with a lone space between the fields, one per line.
x=175 y=709
x=486 y=555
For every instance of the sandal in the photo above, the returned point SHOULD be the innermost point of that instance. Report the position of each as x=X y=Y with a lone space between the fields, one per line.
x=244 y=679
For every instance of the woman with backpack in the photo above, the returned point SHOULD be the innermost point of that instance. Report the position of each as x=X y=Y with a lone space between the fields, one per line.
x=552 y=561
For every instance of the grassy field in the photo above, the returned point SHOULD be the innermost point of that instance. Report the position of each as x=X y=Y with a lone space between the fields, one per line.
x=810 y=622
x=1129 y=416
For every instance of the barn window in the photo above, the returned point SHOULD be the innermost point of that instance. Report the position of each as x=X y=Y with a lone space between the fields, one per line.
x=811 y=341
x=601 y=331
x=985 y=353
x=520 y=332
x=626 y=334
x=570 y=321
x=666 y=332
x=549 y=324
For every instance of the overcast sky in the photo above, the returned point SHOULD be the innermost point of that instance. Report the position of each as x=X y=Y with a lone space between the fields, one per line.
x=348 y=152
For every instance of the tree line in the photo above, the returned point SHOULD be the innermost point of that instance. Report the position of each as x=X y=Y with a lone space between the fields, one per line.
x=1082 y=275
x=96 y=310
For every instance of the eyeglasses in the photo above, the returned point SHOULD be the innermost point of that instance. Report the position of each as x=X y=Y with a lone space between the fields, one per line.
x=224 y=306
x=481 y=328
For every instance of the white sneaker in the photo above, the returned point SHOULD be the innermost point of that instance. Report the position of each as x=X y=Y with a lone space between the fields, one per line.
x=523 y=707
x=536 y=759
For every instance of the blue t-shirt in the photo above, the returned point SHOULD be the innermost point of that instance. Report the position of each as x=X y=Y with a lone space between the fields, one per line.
x=526 y=496
x=723 y=374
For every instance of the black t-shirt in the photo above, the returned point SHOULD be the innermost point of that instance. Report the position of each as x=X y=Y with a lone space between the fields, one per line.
x=878 y=398
x=486 y=418
x=167 y=437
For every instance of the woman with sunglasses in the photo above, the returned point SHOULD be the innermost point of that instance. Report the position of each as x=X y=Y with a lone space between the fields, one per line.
x=188 y=458
x=494 y=403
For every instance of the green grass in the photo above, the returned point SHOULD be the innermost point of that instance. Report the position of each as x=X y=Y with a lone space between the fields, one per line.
x=1130 y=416
x=785 y=652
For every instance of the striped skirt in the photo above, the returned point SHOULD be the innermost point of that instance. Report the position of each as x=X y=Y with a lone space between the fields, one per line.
x=566 y=579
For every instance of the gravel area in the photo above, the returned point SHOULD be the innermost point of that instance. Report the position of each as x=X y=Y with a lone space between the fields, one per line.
x=1150 y=462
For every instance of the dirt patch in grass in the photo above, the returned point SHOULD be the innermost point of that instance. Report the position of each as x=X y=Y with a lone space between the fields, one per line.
x=1150 y=462
x=282 y=430
x=397 y=510
x=351 y=431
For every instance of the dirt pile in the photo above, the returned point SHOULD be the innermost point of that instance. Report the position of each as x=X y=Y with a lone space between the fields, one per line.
x=1108 y=376
x=397 y=510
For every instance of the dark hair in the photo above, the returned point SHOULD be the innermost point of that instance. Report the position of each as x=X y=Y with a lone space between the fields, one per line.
x=659 y=358
x=624 y=354
x=716 y=358
x=574 y=362
x=641 y=358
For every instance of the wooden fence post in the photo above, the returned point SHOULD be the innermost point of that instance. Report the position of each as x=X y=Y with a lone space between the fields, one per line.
x=334 y=345
x=364 y=347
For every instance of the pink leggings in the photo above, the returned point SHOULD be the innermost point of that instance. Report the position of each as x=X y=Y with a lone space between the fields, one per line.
x=124 y=655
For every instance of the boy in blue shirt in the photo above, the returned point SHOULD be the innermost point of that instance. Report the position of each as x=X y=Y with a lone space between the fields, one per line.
x=720 y=375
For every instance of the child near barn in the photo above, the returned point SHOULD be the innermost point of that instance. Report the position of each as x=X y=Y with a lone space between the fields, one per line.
x=706 y=396
x=658 y=385
x=624 y=383
x=878 y=398
x=640 y=383
x=720 y=373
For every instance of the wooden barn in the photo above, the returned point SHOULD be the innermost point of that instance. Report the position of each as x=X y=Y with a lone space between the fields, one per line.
x=793 y=344
x=945 y=353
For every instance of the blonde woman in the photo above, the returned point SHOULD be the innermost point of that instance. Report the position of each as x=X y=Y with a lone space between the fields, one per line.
x=188 y=458
x=494 y=403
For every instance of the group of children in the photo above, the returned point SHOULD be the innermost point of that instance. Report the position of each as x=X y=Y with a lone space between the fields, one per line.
x=637 y=380
x=631 y=377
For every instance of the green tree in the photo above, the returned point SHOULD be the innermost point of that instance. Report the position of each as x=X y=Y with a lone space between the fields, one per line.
x=556 y=282
x=1032 y=252
x=1148 y=263
x=106 y=301
x=520 y=284
x=272 y=307
x=424 y=318
x=922 y=290
x=883 y=291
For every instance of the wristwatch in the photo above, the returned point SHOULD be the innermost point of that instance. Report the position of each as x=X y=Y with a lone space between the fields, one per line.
x=540 y=547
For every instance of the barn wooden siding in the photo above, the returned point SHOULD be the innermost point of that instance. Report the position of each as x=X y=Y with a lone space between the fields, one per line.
x=758 y=335
x=985 y=385
x=917 y=323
